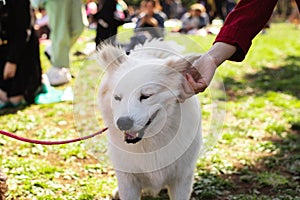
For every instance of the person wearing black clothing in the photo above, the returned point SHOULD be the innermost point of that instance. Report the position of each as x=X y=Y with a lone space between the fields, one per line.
x=108 y=21
x=20 y=67
x=149 y=25
x=149 y=18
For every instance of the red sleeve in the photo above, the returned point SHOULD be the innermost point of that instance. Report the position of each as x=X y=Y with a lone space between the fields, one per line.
x=242 y=24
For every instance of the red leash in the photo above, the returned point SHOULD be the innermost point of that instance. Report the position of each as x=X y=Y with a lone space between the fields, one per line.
x=50 y=142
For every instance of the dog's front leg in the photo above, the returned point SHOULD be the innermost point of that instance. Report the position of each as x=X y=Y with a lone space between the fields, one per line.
x=181 y=188
x=128 y=186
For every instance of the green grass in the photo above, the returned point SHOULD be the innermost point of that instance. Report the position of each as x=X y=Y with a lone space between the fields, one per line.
x=256 y=158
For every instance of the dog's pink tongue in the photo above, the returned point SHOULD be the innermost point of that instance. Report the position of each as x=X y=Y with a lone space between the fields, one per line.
x=131 y=134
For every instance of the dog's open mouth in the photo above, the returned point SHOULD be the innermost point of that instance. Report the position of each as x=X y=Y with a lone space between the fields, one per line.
x=132 y=137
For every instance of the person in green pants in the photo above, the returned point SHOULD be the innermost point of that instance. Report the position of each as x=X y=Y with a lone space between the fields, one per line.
x=66 y=25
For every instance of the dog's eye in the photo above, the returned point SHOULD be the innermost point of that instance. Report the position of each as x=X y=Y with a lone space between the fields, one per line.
x=117 y=98
x=145 y=96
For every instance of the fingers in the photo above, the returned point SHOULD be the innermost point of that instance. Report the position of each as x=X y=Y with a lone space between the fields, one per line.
x=5 y=75
x=8 y=75
x=191 y=87
x=199 y=76
x=187 y=92
x=197 y=86
x=9 y=70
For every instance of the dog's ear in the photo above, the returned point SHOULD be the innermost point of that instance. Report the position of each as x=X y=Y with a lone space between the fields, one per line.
x=183 y=64
x=110 y=57
x=180 y=67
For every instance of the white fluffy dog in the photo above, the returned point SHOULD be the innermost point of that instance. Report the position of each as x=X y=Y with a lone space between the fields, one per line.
x=154 y=141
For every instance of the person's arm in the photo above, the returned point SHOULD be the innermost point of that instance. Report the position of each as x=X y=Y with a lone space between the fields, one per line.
x=232 y=43
x=150 y=20
x=98 y=15
x=106 y=11
x=243 y=23
x=203 y=70
x=160 y=20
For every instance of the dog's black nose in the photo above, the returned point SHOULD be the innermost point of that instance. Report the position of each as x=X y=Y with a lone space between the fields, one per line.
x=125 y=123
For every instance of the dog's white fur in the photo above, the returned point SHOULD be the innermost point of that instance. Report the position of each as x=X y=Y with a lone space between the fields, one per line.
x=167 y=154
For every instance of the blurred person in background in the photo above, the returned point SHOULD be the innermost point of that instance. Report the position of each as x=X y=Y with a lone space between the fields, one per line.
x=294 y=17
x=149 y=24
x=111 y=15
x=91 y=9
x=42 y=24
x=66 y=24
x=20 y=67
x=151 y=18
x=195 y=19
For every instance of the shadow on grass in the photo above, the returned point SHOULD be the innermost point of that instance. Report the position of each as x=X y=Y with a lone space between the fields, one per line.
x=283 y=79
x=11 y=110
x=271 y=177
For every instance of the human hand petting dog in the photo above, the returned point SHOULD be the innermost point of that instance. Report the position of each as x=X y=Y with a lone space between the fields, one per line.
x=200 y=75
x=9 y=70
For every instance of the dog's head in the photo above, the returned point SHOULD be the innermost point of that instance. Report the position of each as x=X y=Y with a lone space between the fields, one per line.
x=143 y=85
